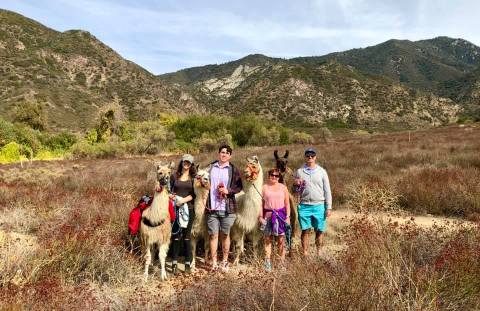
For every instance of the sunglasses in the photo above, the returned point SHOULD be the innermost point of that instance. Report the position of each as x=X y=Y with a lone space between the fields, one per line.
x=274 y=175
x=310 y=156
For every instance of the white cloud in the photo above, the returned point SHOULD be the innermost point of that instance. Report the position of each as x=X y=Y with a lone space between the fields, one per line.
x=168 y=35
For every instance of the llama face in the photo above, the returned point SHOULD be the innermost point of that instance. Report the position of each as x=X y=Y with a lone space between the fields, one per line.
x=252 y=169
x=281 y=162
x=164 y=170
x=202 y=179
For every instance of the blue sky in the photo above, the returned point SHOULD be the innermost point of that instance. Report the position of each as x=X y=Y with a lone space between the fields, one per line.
x=165 y=36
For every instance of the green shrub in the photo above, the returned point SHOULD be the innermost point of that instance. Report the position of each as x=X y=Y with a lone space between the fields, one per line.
x=7 y=132
x=28 y=137
x=50 y=154
x=183 y=146
x=62 y=141
x=100 y=150
x=302 y=138
x=10 y=153
x=32 y=114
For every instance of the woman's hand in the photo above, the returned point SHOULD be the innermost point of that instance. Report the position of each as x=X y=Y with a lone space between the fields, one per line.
x=262 y=220
x=287 y=220
x=298 y=181
x=328 y=213
x=171 y=196
x=179 y=202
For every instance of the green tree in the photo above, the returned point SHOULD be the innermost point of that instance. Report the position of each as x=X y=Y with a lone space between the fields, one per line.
x=32 y=114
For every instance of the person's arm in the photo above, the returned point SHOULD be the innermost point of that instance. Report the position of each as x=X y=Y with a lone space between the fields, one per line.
x=327 y=191
x=260 y=215
x=184 y=200
x=287 y=203
x=237 y=185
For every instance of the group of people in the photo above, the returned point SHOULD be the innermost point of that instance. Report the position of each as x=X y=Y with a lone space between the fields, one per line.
x=311 y=184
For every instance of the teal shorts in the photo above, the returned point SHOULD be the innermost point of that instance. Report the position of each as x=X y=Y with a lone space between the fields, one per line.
x=312 y=216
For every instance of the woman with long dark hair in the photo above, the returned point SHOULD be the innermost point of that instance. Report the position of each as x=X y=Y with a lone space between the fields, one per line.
x=181 y=187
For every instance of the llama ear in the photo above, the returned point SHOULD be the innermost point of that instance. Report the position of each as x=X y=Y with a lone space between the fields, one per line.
x=275 y=154
x=196 y=167
x=171 y=165
x=255 y=158
x=286 y=154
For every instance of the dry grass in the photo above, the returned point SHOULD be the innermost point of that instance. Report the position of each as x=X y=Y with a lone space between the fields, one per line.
x=63 y=233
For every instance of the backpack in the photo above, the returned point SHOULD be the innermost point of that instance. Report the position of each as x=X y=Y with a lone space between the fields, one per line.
x=136 y=214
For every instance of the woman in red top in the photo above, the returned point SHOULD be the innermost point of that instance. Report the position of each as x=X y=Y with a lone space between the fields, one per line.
x=275 y=213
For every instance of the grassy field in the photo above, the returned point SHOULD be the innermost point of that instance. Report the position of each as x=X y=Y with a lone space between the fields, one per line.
x=63 y=233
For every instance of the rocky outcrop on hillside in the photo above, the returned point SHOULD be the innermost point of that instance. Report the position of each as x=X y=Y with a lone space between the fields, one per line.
x=299 y=94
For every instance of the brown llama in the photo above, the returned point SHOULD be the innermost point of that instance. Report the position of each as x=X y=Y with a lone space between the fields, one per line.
x=286 y=178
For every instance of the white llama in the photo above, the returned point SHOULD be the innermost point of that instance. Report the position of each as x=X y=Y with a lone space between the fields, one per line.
x=201 y=187
x=155 y=228
x=249 y=207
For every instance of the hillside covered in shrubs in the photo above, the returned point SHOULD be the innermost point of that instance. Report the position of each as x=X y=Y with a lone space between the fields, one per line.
x=112 y=137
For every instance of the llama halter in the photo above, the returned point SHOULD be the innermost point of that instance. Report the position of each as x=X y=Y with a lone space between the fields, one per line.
x=252 y=172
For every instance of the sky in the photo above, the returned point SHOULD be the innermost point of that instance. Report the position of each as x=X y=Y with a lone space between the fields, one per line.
x=168 y=35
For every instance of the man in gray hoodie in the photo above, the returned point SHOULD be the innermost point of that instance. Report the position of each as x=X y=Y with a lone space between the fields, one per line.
x=315 y=206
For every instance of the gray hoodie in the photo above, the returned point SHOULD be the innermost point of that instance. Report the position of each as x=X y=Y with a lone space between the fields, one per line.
x=317 y=186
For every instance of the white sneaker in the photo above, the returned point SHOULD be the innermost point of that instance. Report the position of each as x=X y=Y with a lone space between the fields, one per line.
x=225 y=266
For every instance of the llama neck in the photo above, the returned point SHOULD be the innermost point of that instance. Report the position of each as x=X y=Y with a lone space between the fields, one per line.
x=253 y=190
x=159 y=208
x=251 y=187
x=201 y=195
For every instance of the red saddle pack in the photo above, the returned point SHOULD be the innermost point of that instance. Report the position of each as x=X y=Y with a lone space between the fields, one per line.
x=136 y=213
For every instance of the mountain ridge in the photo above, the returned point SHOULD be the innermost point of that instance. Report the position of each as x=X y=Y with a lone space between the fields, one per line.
x=77 y=77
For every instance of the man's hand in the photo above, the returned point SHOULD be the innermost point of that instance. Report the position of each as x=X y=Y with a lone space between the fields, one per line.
x=298 y=181
x=328 y=213
x=223 y=190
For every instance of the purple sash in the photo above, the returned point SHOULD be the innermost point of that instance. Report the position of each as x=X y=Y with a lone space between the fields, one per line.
x=277 y=219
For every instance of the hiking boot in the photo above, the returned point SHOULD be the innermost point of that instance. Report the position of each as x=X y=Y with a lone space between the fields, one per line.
x=225 y=266
x=267 y=266
x=188 y=269
x=174 y=269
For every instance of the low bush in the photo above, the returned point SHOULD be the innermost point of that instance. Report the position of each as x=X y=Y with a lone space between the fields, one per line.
x=382 y=267
x=441 y=191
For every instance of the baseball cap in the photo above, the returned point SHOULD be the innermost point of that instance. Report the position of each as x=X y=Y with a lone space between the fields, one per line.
x=310 y=151
x=187 y=157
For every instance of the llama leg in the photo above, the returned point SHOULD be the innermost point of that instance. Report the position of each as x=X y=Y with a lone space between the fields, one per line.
x=162 y=255
x=194 y=249
x=148 y=261
x=239 y=246
x=206 y=246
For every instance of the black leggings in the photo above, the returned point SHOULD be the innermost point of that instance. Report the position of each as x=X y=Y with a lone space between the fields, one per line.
x=183 y=235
